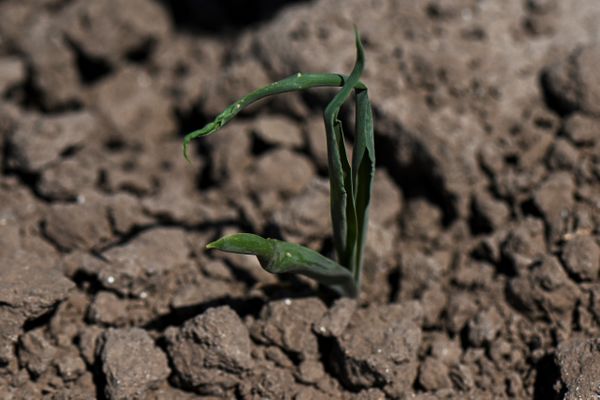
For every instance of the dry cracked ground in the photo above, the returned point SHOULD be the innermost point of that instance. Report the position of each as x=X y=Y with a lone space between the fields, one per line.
x=482 y=273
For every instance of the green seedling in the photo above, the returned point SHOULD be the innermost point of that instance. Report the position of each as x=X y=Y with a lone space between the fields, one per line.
x=350 y=184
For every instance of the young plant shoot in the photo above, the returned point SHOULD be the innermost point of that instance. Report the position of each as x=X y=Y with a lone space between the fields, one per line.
x=350 y=184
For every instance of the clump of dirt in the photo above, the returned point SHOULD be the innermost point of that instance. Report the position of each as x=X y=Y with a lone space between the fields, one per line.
x=481 y=275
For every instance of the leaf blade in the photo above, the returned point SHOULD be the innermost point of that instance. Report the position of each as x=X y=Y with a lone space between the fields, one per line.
x=292 y=83
x=278 y=257
x=343 y=210
x=363 y=173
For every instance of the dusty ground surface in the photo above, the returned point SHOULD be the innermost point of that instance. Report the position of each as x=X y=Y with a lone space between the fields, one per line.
x=482 y=269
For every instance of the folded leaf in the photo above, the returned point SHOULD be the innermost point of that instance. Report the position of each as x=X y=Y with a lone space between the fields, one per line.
x=363 y=172
x=279 y=257
x=350 y=185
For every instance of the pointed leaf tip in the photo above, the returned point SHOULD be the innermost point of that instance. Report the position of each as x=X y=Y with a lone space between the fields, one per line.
x=186 y=154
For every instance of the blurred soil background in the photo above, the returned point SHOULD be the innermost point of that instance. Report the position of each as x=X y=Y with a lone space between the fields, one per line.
x=481 y=278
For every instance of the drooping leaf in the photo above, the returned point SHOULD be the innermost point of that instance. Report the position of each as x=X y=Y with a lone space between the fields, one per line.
x=279 y=257
x=293 y=83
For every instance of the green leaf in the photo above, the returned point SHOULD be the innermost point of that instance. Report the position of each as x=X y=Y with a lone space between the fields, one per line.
x=293 y=83
x=363 y=169
x=278 y=257
x=343 y=206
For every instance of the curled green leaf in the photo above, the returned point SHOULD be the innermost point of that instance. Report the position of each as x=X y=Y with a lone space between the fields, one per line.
x=293 y=83
x=279 y=257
